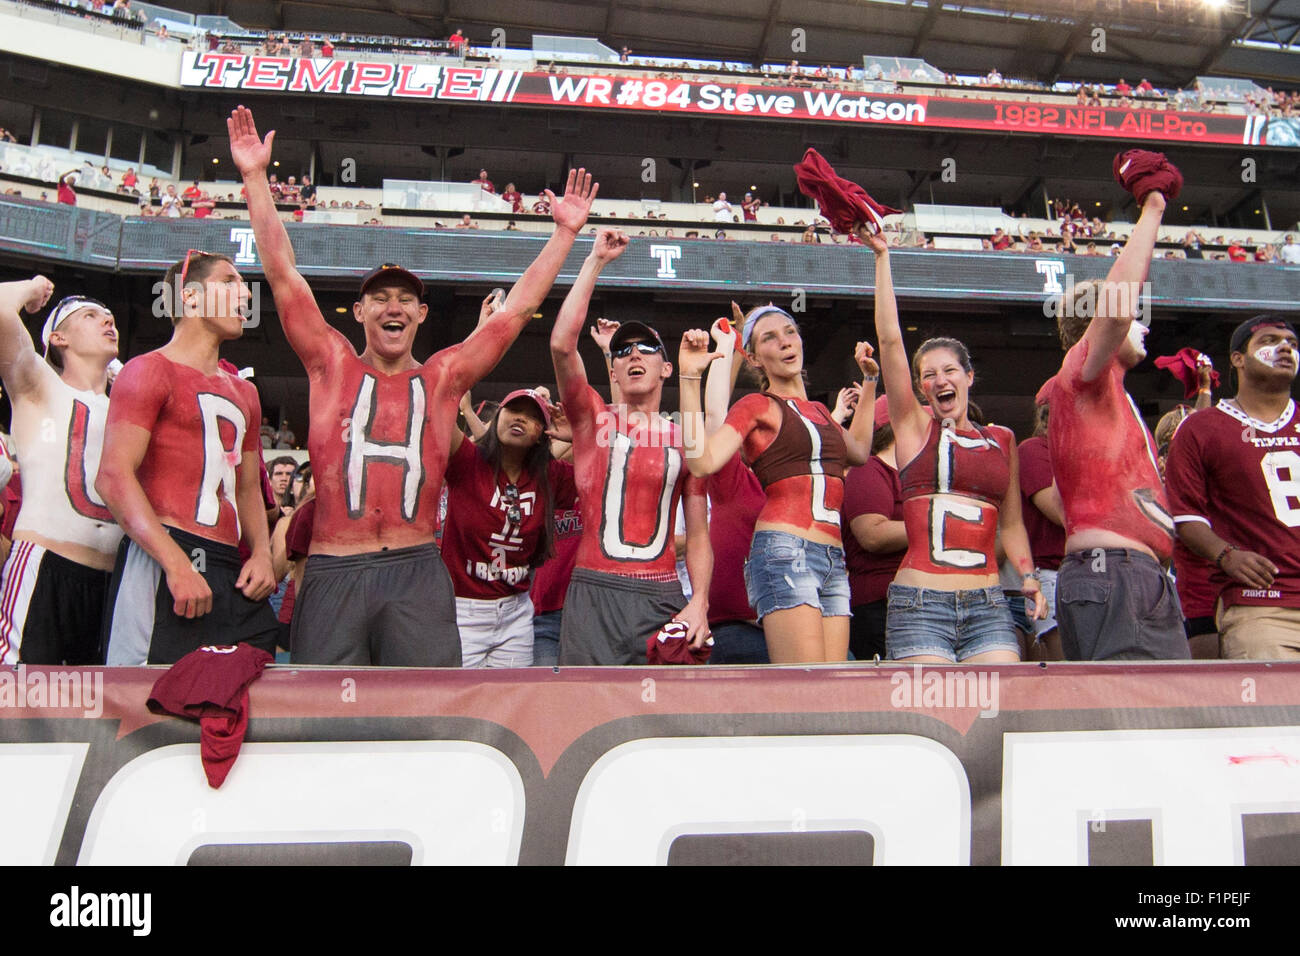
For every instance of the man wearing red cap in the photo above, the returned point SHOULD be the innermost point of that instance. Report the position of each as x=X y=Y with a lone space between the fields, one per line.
x=1114 y=600
x=375 y=590
x=1234 y=485
x=53 y=587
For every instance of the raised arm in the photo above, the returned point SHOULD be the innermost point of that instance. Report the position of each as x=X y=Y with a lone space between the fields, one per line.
x=20 y=366
x=602 y=333
x=569 y=370
x=909 y=418
x=477 y=427
x=306 y=329
x=705 y=453
x=722 y=375
x=467 y=366
x=1120 y=296
x=857 y=440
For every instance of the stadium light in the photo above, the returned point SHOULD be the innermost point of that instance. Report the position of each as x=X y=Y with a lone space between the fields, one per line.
x=215 y=160
x=1216 y=4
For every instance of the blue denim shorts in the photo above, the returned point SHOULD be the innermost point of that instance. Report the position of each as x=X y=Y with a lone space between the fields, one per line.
x=950 y=624
x=785 y=571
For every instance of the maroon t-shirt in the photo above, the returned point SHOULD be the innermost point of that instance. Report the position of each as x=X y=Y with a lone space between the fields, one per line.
x=488 y=555
x=551 y=580
x=1242 y=478
x=297 y=544
x=735 y=501
x=872 y=488
x=1046 y=539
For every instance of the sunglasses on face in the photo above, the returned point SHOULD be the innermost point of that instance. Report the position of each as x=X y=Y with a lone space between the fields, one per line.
x=645 y=348
x=510 y=495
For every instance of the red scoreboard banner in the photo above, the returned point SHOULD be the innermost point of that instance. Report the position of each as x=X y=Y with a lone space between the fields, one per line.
x=1061 y=764
x=428 y=81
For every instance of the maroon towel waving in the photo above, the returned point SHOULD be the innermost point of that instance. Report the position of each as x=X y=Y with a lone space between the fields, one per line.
x=1185 y=366
x=844 y=203
x=210 y=685
x=1142 y=173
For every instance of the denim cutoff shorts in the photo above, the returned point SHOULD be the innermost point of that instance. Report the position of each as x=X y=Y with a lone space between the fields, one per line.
x=950 y=624
x=785 y=571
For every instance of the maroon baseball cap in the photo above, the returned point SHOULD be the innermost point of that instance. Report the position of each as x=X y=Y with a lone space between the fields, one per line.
x=528 y=393
x=638 y=330
x=389 y=272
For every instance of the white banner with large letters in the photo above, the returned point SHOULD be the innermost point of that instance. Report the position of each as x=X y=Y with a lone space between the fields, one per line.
x=1059 y=764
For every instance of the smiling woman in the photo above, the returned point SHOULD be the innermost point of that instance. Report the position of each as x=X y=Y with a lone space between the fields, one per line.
x=961 y=490
x=795 y=576
x=501 y=494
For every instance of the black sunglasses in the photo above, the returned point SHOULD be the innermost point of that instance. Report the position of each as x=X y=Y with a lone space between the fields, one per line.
x=645 y=348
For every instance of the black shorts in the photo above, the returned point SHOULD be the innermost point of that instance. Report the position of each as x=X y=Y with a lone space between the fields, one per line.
x=867 y=631
x=608 y=617
x=143 y=628
x=1116 y=604
x=1196 y=626
x=388 y=608
x=51 y=609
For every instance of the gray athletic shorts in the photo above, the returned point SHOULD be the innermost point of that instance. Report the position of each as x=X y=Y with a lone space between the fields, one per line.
x=608 y=617
x=387 y=608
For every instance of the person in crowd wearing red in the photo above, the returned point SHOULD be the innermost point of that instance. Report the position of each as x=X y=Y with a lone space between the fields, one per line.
x=1045 y=525
x=1232 y=477
x=1000 y=240
x=877 y=539
x=736 y=500
x=541 y=207
x=376 y=589
x=1113 y=599
x=795 y=576
x=750 y=206
x=64 y=540
x=502 y=493
x=1122 y=88
x=1237 y=252
x=631 y=476
x=67 y=195
x=327 y=48
x=483 y=182
x=290 y=545
x=181 y=473
x=961 y=490
x=513 y=196
x=192 y=192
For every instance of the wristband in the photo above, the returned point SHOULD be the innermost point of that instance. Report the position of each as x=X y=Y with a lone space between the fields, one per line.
x=1218 y=562
x=609 y=355
x=691 y=378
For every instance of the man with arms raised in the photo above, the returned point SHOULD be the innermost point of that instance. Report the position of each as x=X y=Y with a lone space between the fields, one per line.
x=1234 y=485
x=53 y=587
x=181 y=472
x=631 y=473
x=375 y=590
x=1114 y=600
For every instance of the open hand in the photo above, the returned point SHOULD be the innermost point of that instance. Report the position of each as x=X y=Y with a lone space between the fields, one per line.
x=571 y=210
x=250 y=152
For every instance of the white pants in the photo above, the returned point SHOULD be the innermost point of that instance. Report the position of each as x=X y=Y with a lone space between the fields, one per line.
x=497 y=632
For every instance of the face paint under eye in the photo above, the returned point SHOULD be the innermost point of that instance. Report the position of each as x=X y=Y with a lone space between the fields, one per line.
x=1268 y=354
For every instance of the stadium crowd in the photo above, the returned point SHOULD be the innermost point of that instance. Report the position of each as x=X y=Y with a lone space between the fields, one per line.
x=557 y=527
